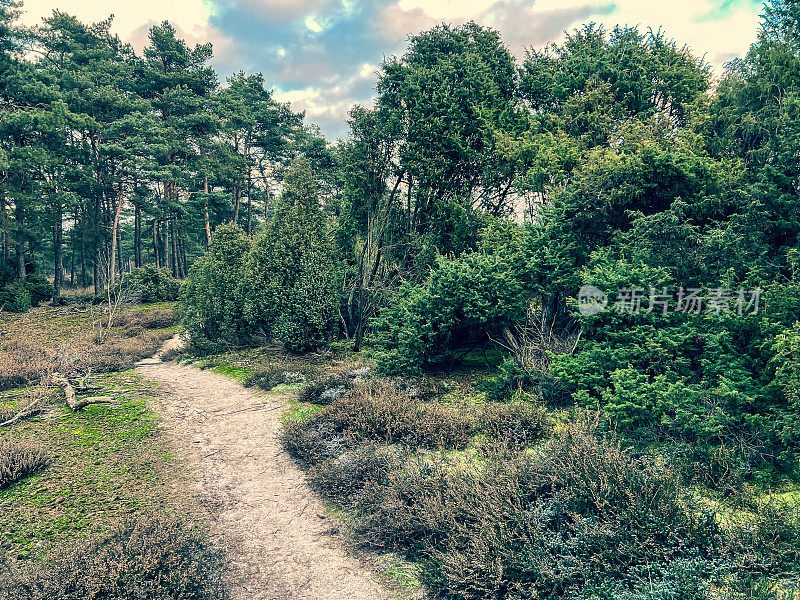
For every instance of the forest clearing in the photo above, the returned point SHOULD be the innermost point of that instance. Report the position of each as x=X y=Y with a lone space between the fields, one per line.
x=529 y=330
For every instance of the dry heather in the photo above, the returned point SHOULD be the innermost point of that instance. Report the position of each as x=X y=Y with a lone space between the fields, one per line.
x=155 y=557
x=385 y=414
x=68 y=339
x=18 y=460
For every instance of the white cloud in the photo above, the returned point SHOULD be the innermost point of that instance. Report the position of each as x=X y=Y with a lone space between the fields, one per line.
x=312 y=24
x=128 y=16
x=133 y=20
x=683 y=20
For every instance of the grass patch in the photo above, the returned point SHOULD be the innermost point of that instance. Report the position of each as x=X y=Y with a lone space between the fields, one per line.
x=106 y=465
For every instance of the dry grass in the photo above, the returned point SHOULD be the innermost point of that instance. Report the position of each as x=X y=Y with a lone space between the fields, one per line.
x=70 y=339
x=18 y=460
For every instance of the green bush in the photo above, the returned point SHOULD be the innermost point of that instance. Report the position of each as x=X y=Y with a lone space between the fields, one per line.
x=211 y=309
x=149 y=284
x=289 y=278
x=457 y=306
x=156 y=558
x=40 y=288
x=16 y=297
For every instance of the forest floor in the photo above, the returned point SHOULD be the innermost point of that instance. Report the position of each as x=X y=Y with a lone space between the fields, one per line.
x=280 y=538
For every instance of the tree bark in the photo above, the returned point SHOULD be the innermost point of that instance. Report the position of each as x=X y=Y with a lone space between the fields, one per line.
x=236 y=199
x=137 y=236
x=207 y=220
x=155 y=244
x=112 y=259
x=58 y=252
x=21 y=259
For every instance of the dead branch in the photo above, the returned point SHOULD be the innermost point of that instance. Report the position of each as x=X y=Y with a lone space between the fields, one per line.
x=69 y=393
x=29 y=411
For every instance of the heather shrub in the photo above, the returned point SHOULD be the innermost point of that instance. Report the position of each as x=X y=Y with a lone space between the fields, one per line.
x=577 y=516
x=383 y=413
x=156 y=558
x=135 y=321
x=326 y=390
x=18 y=460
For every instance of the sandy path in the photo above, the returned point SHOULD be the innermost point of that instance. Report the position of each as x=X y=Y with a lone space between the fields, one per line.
x=282 y=546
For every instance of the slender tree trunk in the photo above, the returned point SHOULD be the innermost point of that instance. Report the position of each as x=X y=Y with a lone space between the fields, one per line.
x=155 y=244
x=120 y=258
x=249 y=202
x=5 y=244
x=112 y=259
x=21 y=259
x=96 y=272
x=84 y=276
x=173 y=248
x=137 y=236
x=72 y=262
x=205 y=215
x=165 y=244
x=58 y=252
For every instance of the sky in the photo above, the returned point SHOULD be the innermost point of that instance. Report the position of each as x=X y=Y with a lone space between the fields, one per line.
x=323 y=56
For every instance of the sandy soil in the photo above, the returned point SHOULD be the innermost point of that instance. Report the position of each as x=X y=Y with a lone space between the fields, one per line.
x=278 y=534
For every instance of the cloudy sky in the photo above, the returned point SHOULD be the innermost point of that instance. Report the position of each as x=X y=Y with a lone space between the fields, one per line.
x=323 y=55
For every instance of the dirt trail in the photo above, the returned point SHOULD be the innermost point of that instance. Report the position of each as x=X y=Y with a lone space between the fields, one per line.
x=282 y=546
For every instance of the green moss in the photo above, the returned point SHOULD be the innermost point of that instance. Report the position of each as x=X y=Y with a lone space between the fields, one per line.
x=107 y=462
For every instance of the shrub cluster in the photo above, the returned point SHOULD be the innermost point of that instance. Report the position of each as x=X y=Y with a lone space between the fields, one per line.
x=577 y=517
x=149 y=284
x=18 y=460
x=461 y=302
x=383 y=413
x=325 y=390
x=157 y=559
x=279 y=286
x=18 y=295
x=135 y=322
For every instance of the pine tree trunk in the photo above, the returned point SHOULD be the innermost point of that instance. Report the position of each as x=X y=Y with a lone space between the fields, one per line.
x=173 y=248
x=155 y=244
x=58 y=253
x=112 y=259
x=207 y=221
x=21 y=259
x=137 y=236
x=72 y=262
x=165 y=244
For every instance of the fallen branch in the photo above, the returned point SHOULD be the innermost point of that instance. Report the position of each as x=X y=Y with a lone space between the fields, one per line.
x=78 y=404
x=29 y=411
x=69 y=393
